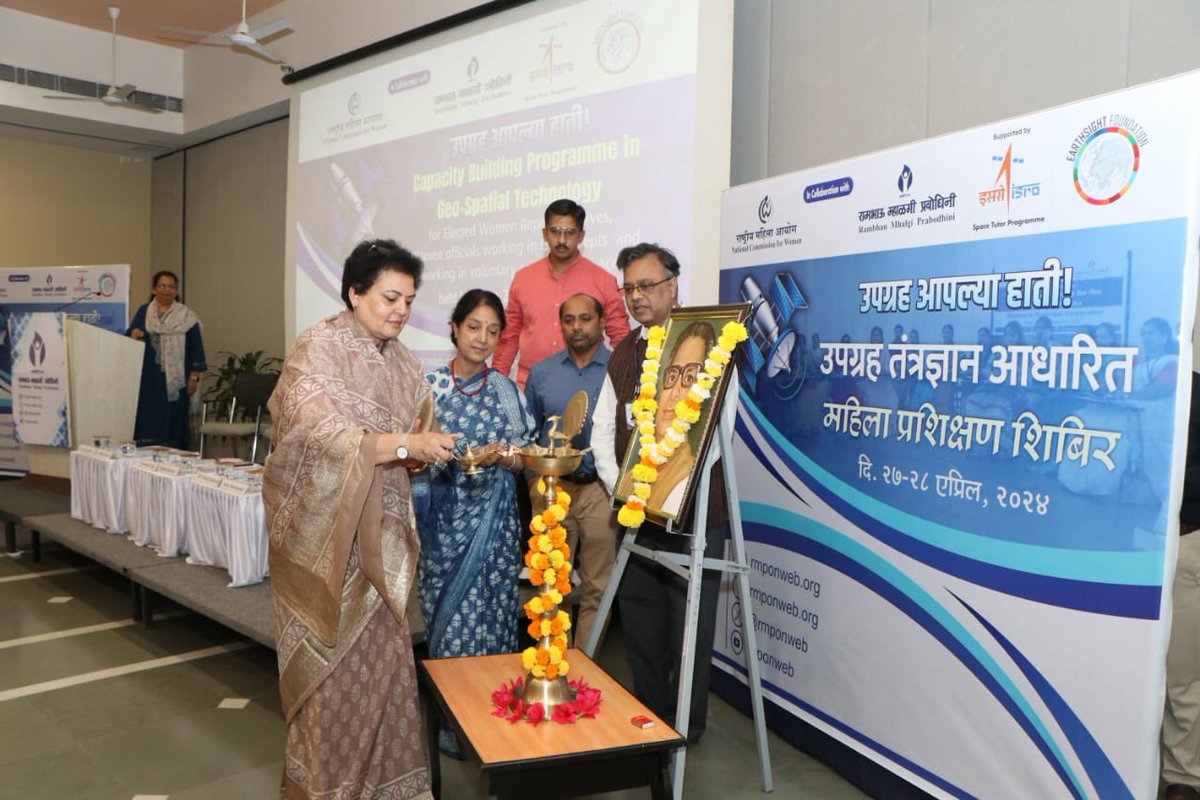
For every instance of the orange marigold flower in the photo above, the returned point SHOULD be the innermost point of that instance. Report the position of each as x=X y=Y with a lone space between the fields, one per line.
x=552 y=671
x=539 y=561
x=556 y=627
x=563 y=586
x=543 y=656
x=535 y=629
x=535 y=577
x=549 y=518
x=528 y=560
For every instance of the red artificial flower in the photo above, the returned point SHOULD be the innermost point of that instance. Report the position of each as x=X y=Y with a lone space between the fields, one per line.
x=587 y=702
x=535 y=713
x=517 y=712
x=564 y=713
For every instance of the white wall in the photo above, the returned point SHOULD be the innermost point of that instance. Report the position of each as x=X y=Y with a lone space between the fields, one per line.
x=853 y=76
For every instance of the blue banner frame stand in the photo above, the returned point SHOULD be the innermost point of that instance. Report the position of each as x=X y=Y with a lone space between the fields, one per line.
x=690 y=567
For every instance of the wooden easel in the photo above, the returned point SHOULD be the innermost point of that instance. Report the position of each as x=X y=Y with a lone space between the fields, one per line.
x=690 y=567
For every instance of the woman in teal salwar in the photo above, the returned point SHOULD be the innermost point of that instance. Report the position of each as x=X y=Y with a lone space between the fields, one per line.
x=471 y=536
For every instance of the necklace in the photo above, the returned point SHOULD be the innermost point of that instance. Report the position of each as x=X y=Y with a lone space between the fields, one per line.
x=458 y=386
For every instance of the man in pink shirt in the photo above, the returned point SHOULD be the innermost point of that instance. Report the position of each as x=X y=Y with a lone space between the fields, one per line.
x=537 y=290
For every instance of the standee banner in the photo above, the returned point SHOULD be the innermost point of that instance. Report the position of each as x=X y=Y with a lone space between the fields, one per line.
x=39 y=378
x=960 y=443
x=98 y=295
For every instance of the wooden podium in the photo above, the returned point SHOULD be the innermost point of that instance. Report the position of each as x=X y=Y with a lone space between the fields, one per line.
x=103 y=378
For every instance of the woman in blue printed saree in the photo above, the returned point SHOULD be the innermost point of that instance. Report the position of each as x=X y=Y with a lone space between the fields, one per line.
x=470 y=531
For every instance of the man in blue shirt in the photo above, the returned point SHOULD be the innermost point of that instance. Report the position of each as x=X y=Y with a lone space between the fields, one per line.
x=592 y=531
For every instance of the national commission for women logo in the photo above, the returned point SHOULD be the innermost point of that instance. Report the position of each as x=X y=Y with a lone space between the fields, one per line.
x=1107 y=155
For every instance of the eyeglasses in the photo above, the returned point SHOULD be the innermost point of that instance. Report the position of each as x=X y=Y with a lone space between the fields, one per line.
x=684 y=374
x=570 y=233
x=643 y=286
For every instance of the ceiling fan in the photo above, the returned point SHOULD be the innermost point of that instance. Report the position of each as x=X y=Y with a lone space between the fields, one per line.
x=242 y=35
x=115 y=95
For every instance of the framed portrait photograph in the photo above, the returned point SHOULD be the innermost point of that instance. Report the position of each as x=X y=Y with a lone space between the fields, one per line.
x=691 y=334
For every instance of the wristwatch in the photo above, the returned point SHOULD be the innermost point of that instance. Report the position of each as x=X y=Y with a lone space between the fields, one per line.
x=402 y=450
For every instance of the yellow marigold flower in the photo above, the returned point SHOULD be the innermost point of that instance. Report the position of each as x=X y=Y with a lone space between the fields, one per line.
x=726 y=343
x=528 y=657
x=643 y=474
x=735 y=330
x=721 y=358
x=541 y=486
x=539 y=561
x=545 y=626
x=563 y=667
x=556 y=654
x=646 y=439
x=538 y=671
x=555 y=597
x=686 y=413
x=705 y=381
x=629 y=518
x=556 y=558
x=535 y=605
x=715 y=370
x=642 y=492
x=549 y=575
x=653 y=353
x=538 y=524
x=559 y=513
x=544 y=544
x=565 y=620
x=646 y=426
x=563 y=499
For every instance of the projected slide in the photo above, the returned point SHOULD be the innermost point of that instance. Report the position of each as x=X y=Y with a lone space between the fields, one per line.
x=455 y=152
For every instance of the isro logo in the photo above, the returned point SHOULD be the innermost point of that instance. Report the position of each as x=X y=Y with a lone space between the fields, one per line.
x=1003 y=189
x=1106 y=156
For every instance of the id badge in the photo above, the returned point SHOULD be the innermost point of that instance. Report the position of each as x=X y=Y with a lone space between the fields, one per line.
x=629 y=414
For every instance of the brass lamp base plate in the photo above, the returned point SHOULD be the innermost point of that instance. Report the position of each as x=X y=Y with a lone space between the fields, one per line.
x=548 y=692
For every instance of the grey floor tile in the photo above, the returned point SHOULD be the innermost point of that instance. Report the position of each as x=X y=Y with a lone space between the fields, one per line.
x=190 y=750
x=26 y=731
x=260 y=783
x=67 y=772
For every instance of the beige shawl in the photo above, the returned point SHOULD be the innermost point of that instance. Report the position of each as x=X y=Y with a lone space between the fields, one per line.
x=342 y=533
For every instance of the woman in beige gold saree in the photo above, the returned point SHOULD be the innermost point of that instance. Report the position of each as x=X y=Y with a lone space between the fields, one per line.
x=343 y=544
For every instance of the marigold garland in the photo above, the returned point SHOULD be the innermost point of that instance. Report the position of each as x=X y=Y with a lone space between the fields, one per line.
x=654 y=453
x=549 y=562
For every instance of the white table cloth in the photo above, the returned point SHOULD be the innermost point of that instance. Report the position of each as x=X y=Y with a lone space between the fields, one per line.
x=227 y=528
x=98 y=487
x=156 y=501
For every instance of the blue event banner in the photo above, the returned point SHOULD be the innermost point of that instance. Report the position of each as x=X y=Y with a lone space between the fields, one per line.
x=1001 y=410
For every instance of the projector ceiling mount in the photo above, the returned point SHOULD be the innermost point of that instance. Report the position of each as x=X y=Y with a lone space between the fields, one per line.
x=122 y=95
x=242 y=36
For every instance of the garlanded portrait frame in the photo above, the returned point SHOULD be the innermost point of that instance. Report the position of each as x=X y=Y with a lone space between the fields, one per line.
x=674 y=492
